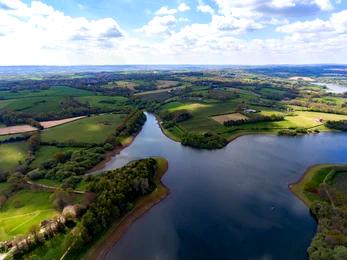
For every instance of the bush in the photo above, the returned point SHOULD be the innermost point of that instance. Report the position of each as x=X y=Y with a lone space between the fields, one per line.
x=287 y=133
x=35 y=174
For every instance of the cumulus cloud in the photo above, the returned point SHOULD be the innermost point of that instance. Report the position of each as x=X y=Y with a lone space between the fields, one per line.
x=337 y=24
x=164 y=10
x=159 y=25
x=183 y=7
x=205 y=8
x=36 y=33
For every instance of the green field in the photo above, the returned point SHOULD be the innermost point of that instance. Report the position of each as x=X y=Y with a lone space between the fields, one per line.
x=104 y=102
x=23 y=210
x=94 y=129
x=39 y=101
x=46 y=153
x=53 y=91
x=11 y=154
x=202 y=113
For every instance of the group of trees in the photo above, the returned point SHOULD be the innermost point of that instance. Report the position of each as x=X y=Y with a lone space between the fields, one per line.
x=337 y=125
x=254 y=119
x=171 y=118
x=67 y=166
x=208 y=140
x=115 y=192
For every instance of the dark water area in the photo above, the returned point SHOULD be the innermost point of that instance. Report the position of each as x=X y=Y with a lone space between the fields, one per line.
x=232 y=203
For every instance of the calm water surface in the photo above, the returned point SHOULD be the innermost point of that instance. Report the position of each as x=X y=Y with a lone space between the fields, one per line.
x=232 y=203
x=334 y=88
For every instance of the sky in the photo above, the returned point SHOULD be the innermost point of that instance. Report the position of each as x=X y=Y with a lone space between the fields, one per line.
x=233 y=32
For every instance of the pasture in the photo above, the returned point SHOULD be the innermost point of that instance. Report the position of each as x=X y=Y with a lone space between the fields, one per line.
x=11 y=154
x=104 y=102
x=94 y=129
x=23 y=210
x=57 y=91
x=38 y=101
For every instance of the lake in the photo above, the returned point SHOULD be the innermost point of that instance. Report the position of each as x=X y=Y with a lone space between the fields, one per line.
x=231 y=203
x=331 y=87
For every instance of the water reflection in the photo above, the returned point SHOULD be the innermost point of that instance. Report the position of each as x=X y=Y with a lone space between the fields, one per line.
x=231 y=203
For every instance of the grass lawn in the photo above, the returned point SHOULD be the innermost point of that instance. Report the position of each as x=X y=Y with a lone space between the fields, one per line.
x=46 y=153
x=11 y=154
x=94 y=129
x=23 y=210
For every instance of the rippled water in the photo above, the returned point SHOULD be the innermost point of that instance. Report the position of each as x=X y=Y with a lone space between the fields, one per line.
x=232 y=203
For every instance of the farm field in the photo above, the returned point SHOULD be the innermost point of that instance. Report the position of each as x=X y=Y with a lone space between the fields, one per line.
x=227 y=117
x=50 y=124
x=23 y=210
x=59 y=91
x=16 y=129
x=94 y=129
x=11 y=154
x=209 y=117
x=104 y=102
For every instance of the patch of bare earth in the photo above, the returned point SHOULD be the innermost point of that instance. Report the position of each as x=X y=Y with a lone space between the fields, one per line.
x=300 y=78
x=229 y=117
x=16 y=129
x=161 y=84
x=50 y=124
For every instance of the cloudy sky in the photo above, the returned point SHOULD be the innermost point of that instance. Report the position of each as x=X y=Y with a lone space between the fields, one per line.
x=75 y=32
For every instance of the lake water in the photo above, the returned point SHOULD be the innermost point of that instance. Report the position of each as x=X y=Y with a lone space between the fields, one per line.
x=334 y=88
x=232 y=203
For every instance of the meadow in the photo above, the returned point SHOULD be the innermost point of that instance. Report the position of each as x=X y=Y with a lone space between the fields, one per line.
x=94 y=129
x=23 y=210
x=11 y=154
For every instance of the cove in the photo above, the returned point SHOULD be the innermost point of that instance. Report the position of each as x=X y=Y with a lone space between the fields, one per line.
x=232 y=203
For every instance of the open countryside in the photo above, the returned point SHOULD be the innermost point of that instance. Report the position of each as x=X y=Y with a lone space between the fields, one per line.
x=173 y=130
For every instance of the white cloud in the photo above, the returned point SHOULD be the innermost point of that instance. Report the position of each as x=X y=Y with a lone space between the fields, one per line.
x=204 y=8
x=183 y=7
x=159 y=25
x=164 y=10
x=39 y=34
x=336 y=24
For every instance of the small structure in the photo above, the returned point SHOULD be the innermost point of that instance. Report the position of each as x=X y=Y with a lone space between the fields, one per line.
x=249 y=111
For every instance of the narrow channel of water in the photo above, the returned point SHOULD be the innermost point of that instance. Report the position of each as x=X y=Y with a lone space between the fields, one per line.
x=232 y=203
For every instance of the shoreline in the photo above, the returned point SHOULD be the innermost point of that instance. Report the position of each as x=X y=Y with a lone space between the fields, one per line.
x=110 y=154
x=296 y=187
x=108 y=240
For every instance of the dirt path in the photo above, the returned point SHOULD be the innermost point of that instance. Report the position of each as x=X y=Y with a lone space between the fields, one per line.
x=51 y=187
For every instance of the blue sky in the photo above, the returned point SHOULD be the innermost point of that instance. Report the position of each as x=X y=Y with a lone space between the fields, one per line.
x=173 y=32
